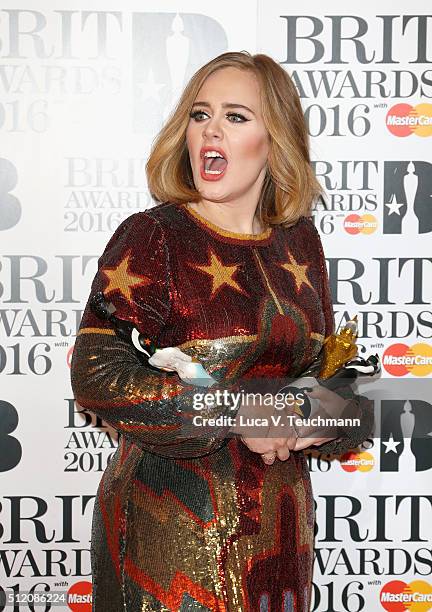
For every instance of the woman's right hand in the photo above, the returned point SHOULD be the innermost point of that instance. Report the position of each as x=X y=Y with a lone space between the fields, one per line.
x=264 y=440
x=273 y=443
x=271 y=448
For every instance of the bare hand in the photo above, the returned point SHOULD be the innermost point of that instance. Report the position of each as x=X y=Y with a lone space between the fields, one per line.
x=271 y=448
x=331 y=405
x=274 y=444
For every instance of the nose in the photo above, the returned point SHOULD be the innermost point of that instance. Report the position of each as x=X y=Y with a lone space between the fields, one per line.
x=212 y=129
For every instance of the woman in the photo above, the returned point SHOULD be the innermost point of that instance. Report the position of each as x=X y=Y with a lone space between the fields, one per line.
x=230 y=269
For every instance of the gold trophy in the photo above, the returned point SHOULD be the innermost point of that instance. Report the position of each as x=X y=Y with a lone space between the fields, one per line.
x=338 y=363
x=336 y=367
x=339 y=348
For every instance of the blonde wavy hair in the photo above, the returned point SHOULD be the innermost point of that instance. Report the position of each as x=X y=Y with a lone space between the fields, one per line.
x=289 y=187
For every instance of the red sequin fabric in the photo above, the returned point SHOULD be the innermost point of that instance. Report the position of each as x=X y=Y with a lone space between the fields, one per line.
x=197 y=523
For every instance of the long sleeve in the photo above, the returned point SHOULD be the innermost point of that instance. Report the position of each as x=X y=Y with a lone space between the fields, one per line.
x=359 y=406
x=151 y=407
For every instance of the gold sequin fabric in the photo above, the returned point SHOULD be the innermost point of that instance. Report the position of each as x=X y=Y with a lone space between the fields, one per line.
x=184 y=522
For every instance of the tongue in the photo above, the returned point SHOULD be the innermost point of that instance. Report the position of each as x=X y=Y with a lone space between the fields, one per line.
x=218 y=163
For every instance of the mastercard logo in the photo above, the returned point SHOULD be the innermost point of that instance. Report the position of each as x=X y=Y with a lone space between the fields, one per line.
x=357 y=462
x=401 y=359
x=69 y=355
x=79 y=596
x=356 y=224
x=397 y=596
x=404 y=120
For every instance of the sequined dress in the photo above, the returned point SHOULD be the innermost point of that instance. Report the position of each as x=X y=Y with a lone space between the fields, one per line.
x=188 y=523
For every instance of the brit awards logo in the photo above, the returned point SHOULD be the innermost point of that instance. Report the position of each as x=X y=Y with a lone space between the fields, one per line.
x=407 y=197
x=167 y=49
x=406 y=436
x=10 y=206
x=11 y=449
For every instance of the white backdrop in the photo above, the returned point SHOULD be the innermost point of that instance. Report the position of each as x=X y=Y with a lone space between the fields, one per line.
x=84 y=88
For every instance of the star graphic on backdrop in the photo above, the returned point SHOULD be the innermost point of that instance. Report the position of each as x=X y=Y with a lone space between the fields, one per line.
x=394 y=206
x=299 y=271
x=149 y=90
x=390 y=445
x=120 y=278
x=221 y=274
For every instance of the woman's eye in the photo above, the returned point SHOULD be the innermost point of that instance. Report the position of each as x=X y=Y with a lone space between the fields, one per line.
x=237 y=116
x=232 y=117
x=195 y=114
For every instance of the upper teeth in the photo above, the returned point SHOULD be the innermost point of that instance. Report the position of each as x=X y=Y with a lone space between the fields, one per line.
x=212 y=154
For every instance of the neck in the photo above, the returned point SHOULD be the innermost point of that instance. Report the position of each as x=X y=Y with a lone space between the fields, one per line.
x=238 y=215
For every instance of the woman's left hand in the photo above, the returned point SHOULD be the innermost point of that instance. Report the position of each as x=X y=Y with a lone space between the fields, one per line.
x=331 y=405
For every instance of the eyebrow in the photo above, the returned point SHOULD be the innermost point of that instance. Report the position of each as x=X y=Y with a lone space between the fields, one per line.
x=225 y=105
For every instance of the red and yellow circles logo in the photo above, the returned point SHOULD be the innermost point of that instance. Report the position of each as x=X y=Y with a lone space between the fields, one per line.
x=404 y=120
x=397 y=596
x=360 y=224
x=401 y=359
x=79 y=596
x=69 y=355
x=357 y=462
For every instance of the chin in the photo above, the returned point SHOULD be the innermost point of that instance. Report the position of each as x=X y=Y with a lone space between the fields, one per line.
x=215 y=197
x=211 y=194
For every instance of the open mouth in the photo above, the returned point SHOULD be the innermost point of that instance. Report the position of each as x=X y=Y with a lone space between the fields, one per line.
x=213 y=164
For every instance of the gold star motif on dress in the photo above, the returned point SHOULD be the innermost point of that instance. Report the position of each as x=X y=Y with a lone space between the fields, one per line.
x=122 y=279
x=299 y=271
x=221 y=274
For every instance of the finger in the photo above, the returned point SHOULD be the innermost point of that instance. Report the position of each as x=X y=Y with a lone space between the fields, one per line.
x=311 y=442
x=303 y=443
x=288 y=443
x=269 y=458
x=323 y=440
x=322 y=393
x=278 y=442
x=283 y=453
x=258 y=445
x=317 y=392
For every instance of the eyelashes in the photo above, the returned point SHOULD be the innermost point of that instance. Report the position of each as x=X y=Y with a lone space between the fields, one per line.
x=196 y=113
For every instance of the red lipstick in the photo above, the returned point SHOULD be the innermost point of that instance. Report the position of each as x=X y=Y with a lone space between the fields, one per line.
x=221 y=166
